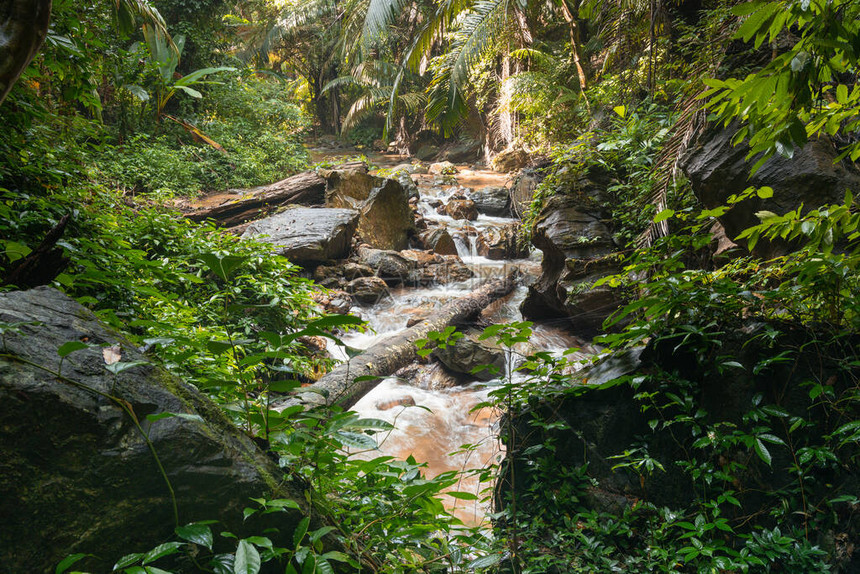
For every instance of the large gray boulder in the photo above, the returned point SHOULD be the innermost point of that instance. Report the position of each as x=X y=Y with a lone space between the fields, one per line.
x=76 y=474
x=386 y=218
x=492 y=200
x=390 y=266
x=306 y=234
x=717 y=169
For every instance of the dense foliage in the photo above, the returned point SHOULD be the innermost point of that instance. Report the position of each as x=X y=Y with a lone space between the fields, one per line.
x=118 y=113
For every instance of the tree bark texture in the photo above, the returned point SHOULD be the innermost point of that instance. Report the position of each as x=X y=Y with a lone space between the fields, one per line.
x=23 y=28
x=304 y=189
x=392 y=353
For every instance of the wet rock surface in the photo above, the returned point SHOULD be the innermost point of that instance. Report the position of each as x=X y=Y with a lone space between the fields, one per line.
x=493 y=200
x=305 y=235
x=717 y=169
x=469 y=356
x=77 y=472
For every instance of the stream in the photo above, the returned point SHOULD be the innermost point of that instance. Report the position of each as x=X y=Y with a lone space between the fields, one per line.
x=436 y=434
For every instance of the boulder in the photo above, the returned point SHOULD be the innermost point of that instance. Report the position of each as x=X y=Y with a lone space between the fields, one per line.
x=468 y=151
x=346 y=271
x=388 y=265
x=522 y=191
x=386 y=219
x=306 y=234
x=408 y=184
x=426 y=152
x=492 y=200
x=439 y=240
x=409 y=168
x=435 y=269
x=501 y=242
x=469 y=353
x=367 y=290
x=576 y=243
x=442 y=168
x=509 y=160
x=77 y=475
x=717 y=169
x=348 y=185
x=461 y=209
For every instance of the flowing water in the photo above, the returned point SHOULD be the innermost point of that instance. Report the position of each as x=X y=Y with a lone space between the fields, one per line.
x=434 y=420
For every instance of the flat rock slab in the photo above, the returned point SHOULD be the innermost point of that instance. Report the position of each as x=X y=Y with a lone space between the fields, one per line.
x=305 y=234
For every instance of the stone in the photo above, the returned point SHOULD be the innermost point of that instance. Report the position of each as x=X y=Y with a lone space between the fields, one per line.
x=77 y=474
x=468 y=353
x=306 y=234
x=390 y=266
x=409 y=168
x=461 y=209
x=492 y=200
x=577 y=246
x=435 y=269
x=509 y=160
x=442 y=168
x=386 y=219
x=717 y=169
x=367 y=290
x=408 y=184
x=439 y=240
x=468 y=151
x=349 y=185
x=427 y=152
x=346 y=271
x=501 y=242
x=522 y=191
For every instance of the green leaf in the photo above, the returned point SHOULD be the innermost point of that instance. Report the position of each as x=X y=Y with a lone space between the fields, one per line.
x=223 y=265
x=484 y=561
x=191 y=92
x=67 y=349
x=161 y=551
x=621 y=111
x=117 y=368
x=336 y=556
x=68 y=562
x=196 y=533
x=323 y=567
x=247 y=560
x=138 y=92
x=16 y=251
x=664 y=215
x=762 y=452
x=127 y=561
x=460 y=495
x=186 y=416
x=355 y=440
x=764 y=192
x=300 y=531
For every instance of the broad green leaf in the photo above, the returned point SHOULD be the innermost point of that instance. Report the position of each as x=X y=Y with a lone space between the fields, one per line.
x=67 y=349
x=69 y=561
x=161 y=551
x=764 y=192
x=197 y=533
x=300 y=531
x=664 y=215
x=336 y=556
x=117 y=368
x=127 y=561
x=247 y=560
x=16 y=251
x=485 y=561
x=223 y=265
x=762 y=452
x=186 y=416
x=138 y=92
x=462 y=495
x=355 y=440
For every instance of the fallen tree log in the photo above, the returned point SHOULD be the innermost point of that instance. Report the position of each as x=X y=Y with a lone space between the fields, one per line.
x=305 y=188
x=392 y=353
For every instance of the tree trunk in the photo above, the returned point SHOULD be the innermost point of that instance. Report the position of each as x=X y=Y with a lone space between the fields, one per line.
x=23 y=28
x=392 y=353
x=305 y=189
